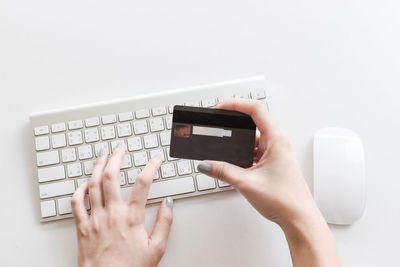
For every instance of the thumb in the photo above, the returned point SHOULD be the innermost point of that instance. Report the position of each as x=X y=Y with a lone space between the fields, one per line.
x=162 y=226
x=223 y=171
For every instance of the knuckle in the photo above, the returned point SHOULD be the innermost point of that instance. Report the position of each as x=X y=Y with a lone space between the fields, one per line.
x=167 y=219
x=94 y=183
x=83 y=230
x=74 y=201
x=134 y=219
x=95 y=225
x=159 y=248
x=221 y=170
x=108 y=173
x=141 y=180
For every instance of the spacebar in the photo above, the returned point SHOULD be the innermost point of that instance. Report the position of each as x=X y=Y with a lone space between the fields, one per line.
x=165 y=188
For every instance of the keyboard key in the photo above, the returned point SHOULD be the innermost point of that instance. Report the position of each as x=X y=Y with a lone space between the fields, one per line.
x=156 y=124
x=150 y=141
x=108 y=119
x=64 y=205
x=40 y=130
x=171 y=187
x=47 y=158
x=140 y=158
x=73 y=125
x=126 y=162
x=48 y=208
x=124 y=129
x=132 y=174
x=58 y=140
x=222 y=183
x=57 y=189
x=101 y=146
x=107 y=132
x=169 y=157
x=157 y=111
x=68 y=154
x=116 y=143
x=242 y=95
x=74 y=170
x=88 y=166
x=58 y=127
x=205 y=182
x=142 y=113
x=164 y=188
x=140 y=127
x=126 y=116
x=75 y=138
x=122 y=178
x=192 y=104
x=94 y=121
x=165 y=138
x=206 y=103
x=134 y=143
x=157 y=153
x=168 y=122
x=51 y=174
x=167 y=170
x=91 y=135
x=42 y=143
x=196 y=163
x=85 y=152
x=257 y=94
x=184 y=167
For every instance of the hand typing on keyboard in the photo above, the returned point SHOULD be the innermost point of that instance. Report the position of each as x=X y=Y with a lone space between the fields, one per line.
x=276 y=188
x=113 y=234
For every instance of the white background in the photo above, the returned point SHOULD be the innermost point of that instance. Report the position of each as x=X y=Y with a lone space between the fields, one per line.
x=328 y=63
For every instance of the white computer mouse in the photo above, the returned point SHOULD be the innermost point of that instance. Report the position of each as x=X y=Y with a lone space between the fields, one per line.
x=339 y=175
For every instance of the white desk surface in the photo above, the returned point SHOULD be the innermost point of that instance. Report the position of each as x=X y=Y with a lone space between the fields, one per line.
x=328 y=63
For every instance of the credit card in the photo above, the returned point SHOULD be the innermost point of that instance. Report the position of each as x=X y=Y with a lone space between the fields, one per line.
x=213 y=134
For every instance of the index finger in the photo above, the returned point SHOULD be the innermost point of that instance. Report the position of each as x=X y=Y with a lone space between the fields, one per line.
x=257 y=111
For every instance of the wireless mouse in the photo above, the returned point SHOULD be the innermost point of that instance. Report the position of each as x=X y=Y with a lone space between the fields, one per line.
x=339 y=175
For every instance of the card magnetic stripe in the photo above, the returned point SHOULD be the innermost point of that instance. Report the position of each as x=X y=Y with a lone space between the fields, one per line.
x=212 y=117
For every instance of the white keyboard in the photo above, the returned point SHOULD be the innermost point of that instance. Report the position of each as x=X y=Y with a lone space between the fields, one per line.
x=66 y=143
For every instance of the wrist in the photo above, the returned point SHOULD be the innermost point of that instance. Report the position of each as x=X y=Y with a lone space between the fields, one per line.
x=309 y=236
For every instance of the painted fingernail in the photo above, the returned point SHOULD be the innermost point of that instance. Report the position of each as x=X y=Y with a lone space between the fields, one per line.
x=101 y=152
x=170 y=202
x=204 y=167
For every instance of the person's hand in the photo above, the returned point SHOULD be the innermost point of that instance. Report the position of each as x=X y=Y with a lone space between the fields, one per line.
x=275 y=187
x=114 y=234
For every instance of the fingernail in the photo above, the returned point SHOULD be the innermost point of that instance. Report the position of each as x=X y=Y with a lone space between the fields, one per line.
x=170 y=202
x=203 y=167
x=101 y=152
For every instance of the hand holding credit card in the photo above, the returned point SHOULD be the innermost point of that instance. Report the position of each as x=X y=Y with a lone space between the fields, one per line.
x=212 y=134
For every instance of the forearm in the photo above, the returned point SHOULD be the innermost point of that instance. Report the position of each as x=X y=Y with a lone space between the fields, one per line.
x=311 y=242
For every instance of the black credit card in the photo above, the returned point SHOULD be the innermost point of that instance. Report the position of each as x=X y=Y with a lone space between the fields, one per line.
x=213 y=134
